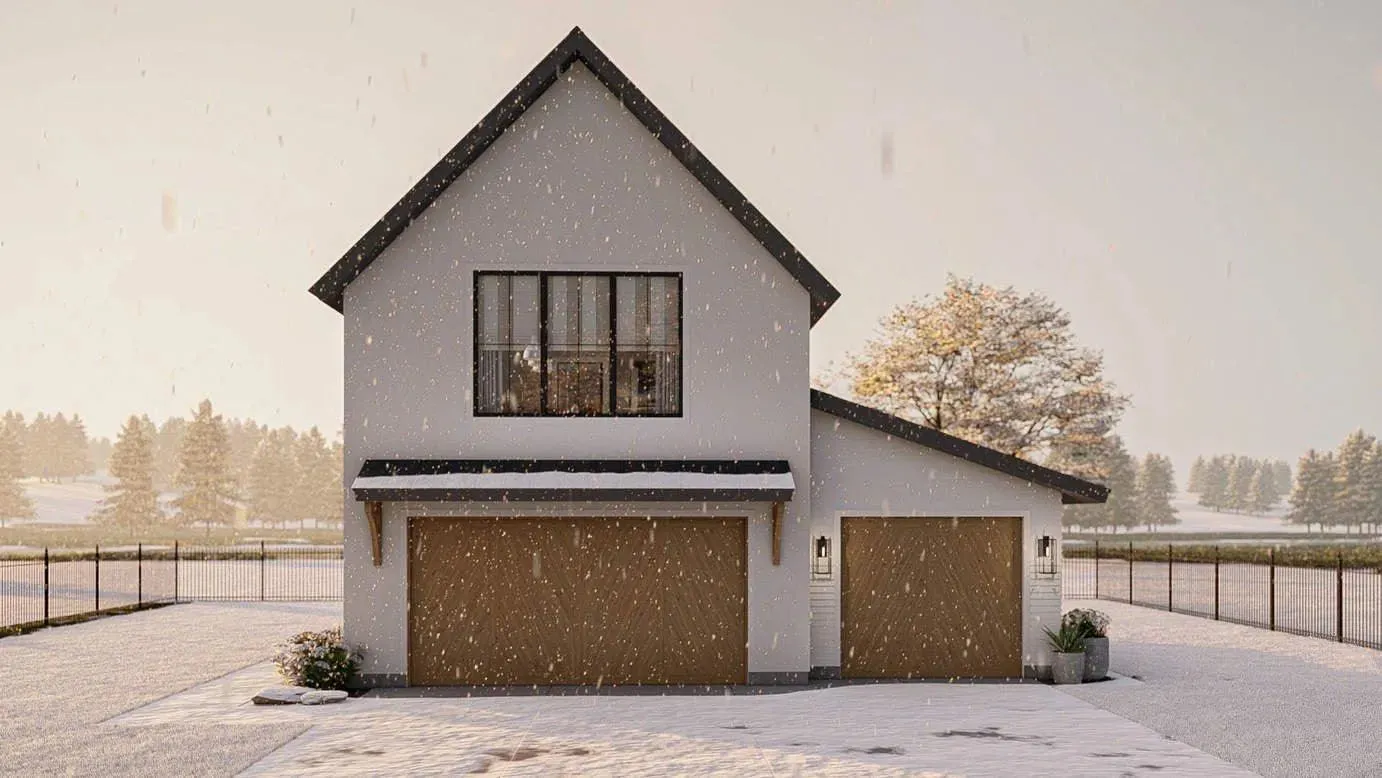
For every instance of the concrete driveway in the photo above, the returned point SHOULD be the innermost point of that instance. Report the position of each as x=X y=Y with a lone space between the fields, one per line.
x=881 y=729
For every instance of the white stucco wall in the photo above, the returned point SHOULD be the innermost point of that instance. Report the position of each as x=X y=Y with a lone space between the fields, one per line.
x=576 y=183
x=859 y=471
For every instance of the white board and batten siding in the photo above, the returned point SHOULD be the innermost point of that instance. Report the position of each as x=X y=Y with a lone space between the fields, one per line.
x=859 y=471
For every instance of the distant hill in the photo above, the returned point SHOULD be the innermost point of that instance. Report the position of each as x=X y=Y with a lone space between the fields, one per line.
x=1197 y=518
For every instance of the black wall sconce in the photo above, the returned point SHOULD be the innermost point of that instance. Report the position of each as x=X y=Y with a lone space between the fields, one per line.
x=1046 y=555
x=820 y=560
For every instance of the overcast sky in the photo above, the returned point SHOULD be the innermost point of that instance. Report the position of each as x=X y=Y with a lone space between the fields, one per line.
x=1198 y=183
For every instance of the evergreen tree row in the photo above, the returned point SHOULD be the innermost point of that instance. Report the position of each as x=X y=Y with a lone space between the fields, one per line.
x=1340 y=488
x=51 y=448
x=1140 y=491
x=1236 y=483
x=218 y=470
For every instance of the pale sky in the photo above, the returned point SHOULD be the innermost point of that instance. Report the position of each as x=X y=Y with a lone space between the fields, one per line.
x=1199 y=183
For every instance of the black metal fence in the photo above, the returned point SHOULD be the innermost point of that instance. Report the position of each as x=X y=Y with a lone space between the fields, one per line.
x=56 y=586
x=1338 y=602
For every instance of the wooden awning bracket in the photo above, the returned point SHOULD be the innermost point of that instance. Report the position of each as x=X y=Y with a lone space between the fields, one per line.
x=777 y=533
x=374 y=514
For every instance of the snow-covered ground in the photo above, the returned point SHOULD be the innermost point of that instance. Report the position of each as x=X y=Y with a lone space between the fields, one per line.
x=1278 y=704
x=883 y=729
x=165 y=692
x=62 y=684
x=1197 y=518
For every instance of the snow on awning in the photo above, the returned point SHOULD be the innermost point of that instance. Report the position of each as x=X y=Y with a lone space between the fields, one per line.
x=387 y=480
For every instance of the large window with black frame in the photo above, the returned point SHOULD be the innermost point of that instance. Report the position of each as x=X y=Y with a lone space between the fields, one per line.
x=577 y=344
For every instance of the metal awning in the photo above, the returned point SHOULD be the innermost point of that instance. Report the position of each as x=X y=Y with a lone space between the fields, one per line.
x=392 y=480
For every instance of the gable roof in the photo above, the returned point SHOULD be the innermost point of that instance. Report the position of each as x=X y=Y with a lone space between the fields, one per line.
x=1073 y=490
x=575 y=47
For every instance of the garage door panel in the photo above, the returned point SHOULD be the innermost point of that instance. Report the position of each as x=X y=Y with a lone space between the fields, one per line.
x=931 y=597
x=706 y=643
x=581 y=600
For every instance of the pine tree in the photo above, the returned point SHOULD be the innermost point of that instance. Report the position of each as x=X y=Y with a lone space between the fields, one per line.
x=1372 y=480
x=1215 y=484
x=203 y=477
x=334 y=505
x=14 y=503
x=1263 y=490
x=1239 y=489
x=244 y=439
x=1282 y=469
x=1156 y=487
x=1196 y=481
x=1312 y=500
x=73 y=459
x=14 y=423
x=38 y=448
x=1353 y=499
x=318 y=480
x=273 y=475
x=131 y=502
x=167 y=446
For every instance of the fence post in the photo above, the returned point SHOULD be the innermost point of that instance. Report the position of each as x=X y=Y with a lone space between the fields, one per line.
x=1170 y=577
x=45 y=586
x=1096 y=568
x=139 y=568
x=1271 y=580
x=1130 y=572
x=261 y=571
x=1339 y=597
x=98 y=578
x=175 y=571
x=1216 y=583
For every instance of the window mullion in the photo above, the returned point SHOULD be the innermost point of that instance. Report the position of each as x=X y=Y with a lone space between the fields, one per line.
x=542 y=344
x=613 y=346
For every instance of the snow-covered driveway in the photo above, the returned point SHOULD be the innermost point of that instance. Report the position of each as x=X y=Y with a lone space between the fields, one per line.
x=886 y=729
x=1279 y=704
x=61 y=684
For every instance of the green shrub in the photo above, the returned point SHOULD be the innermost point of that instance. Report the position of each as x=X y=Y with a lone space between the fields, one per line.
x=1068 y=640
x=318 y=660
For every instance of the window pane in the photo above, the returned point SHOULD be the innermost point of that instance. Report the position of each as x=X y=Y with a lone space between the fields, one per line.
x=507 y=352
x=578 y=345
x=648 y=337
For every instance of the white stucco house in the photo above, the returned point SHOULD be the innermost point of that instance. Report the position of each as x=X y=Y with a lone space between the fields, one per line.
x=581 y=445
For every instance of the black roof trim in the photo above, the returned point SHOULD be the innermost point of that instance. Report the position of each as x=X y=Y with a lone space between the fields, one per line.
x=1073 y=490
x=404 y=467
x=330 y=288
x=386 y=467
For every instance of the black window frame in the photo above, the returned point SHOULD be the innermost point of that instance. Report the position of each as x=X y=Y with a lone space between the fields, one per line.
x=543 y=313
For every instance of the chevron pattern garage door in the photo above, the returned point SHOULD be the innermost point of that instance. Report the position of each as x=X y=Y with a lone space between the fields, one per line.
x=609 y=601
x=931 y=598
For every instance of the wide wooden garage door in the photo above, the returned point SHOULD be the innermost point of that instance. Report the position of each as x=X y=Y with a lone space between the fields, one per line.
x=931 y=598
x=577 y=601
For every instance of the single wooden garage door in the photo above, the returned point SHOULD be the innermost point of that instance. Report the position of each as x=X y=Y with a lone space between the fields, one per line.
x=577 y=601
x=931 y=598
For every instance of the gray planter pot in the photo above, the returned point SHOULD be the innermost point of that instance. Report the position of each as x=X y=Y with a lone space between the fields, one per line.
x=1095 y=659
x=1067 y=668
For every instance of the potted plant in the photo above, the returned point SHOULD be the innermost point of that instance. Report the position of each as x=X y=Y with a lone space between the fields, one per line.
x=1093 y=626
x=1067 y=659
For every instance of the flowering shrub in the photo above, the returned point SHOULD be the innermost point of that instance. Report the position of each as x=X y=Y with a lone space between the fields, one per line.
x=317 y=660
x=1089 y=622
